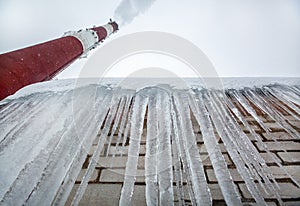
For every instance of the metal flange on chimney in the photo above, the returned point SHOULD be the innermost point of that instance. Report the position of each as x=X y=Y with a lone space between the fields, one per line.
x=43 y=61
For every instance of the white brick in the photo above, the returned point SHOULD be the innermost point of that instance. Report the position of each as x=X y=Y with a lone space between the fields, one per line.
x=117 y=175
x=199 y=137
x=268 y=157
x=216 y=192
x=291 y=157
x=206 y=161
x=273 y=126
x=255 y=204
x=250 y=136
x=253 y=126
x=92 y=150
x=138 y=197
x=203 y=149
x=292 y=203
x=286 y=190
x=234 y=174
x=251 y=119
x=276 y=146
x=277 y=136
x=293 y=170
x=120 y=150
x=290 y=118
x=185 y=193
x=108 y=162
x=295 y=123
x=98 y=194
x=214 y=189
x=93 y=177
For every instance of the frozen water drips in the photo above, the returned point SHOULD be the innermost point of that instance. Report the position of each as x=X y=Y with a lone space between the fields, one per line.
x=275 y=115
x=59 y=141
x=158 y=161
x=164 y=153
x=225 y=135
x=224 y=178
x=291 y=93
x=248 y=152
x=181 y=156
x=116 y=123
x=151 y=154
x=137 y=119
x=124 y=120
x=29 y=145
x=177 y=169
x=127 y=127
x=85 y=126
x=45 y=138
x=244 y=102
x=194 y=162
x=234 y=109
x=10 y=119
x=237 y=113
x=102 y=106
x=100 y=144
x=286 y=103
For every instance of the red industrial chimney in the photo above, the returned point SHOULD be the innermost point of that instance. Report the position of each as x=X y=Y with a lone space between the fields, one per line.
x=43 y=61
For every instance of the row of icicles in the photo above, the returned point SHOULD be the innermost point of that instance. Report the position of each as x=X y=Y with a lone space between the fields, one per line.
x=49 y=166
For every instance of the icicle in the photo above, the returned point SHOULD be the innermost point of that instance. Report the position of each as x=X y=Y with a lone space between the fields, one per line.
x=55 y=170
x=151 y=154
x=137 y=119
x=177 y=168
x=164 y=156
x=8 y=107
x=254 y=134
x=13 y=109
x=20 y=106
x=182 y=155
x=270 y=93
x=222 y=173
x=288 y=92
x=124 y=119
x=199 y=183
x=237 y=113
x=247 y=150
x=128 y=125
x=297 y=88
x=96 y=154
x=241 y=99
x=120 y=107
x=262 y=104
x=12 y=123
x=29 y=176
x=245 y=144
x=29 y=146
x=52 y=135
x=224 y=134
x=102 y=108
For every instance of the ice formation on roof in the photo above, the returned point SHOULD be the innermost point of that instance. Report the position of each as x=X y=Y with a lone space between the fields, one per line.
x=45 y=136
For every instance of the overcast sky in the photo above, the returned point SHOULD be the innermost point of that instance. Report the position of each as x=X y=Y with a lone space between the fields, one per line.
x=241 y=38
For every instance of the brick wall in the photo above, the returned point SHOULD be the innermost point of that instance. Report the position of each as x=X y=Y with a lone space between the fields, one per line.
x=105 y=185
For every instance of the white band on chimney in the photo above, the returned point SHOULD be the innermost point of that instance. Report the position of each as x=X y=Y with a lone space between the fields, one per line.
x=87 y=37
x=109 y=29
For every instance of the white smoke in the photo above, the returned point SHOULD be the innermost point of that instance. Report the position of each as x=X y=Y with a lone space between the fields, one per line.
x=129 y=9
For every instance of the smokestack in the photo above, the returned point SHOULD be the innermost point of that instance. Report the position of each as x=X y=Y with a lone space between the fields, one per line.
x=43 y=61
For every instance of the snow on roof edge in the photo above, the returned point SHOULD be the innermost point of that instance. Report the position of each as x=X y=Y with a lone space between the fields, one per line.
x=227 y=83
